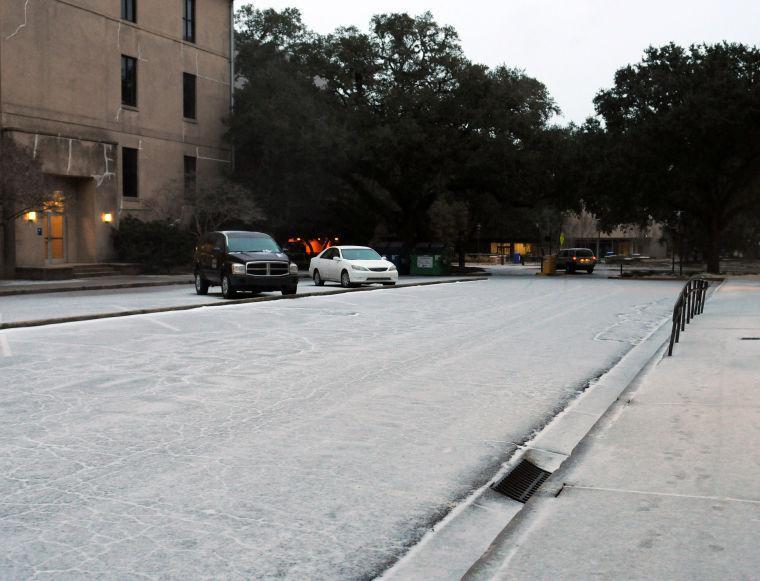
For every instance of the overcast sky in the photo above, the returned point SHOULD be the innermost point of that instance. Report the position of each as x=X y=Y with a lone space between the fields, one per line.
x=573 y=46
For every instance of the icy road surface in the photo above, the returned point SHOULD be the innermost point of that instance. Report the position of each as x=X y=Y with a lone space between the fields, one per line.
x=35 y=307
x=316 y=438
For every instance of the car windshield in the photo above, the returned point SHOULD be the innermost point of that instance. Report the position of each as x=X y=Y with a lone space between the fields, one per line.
x=251 y=244
x=583 y=252
x=360 y=254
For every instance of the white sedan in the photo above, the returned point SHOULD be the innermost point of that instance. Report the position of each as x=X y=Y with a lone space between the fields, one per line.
x=352 y=266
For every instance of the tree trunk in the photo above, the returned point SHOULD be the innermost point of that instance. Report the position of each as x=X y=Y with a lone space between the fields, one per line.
x=460 y=250
x=712 y=246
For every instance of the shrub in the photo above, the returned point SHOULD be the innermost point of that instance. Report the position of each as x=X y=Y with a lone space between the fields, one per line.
x=158 y=245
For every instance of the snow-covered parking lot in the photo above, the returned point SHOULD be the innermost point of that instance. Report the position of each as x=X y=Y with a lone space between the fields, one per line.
x=315 y=438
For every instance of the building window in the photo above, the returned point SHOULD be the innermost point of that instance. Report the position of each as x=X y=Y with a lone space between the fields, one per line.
x=129 y=175
x=129 y=10
x=188 y=20
x=128 y=81
x=188 y=95
x=190 y=176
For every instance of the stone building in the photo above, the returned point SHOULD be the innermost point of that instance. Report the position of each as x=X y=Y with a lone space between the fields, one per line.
x=117 y=99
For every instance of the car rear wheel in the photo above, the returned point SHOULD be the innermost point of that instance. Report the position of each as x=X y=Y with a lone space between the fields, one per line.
x=289 y=290
x=201 y=284
x=345 y=279
x=389 y=284
x=228 y=291
x=318 y=279
x=590 y=270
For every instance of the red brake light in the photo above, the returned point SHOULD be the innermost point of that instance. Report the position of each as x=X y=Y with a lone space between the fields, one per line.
x=575 y=258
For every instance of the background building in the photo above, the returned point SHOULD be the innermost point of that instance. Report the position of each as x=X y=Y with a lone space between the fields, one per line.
x=581 y=232
x=118 y=100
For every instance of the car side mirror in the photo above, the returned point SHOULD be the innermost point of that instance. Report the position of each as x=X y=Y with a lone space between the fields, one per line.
x=336 y=257
x=384 y=257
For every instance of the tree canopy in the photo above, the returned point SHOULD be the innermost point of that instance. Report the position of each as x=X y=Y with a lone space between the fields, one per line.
x=679 y=143
x=394 y=131
x=373 y=128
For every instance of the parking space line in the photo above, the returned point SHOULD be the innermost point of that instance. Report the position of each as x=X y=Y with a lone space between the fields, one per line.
x=5 y=347
x=162 y=324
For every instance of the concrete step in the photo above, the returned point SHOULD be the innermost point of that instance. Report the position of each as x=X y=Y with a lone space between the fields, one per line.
x=95 y=274
x=93 y=270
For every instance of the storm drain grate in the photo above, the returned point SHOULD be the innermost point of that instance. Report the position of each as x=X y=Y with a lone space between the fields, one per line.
x=522 y=482
x=750 y=338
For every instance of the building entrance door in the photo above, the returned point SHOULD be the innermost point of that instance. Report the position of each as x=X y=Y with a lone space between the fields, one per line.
x=55 y=243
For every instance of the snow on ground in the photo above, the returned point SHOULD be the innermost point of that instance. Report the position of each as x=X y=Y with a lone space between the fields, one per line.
x=665 y=488
x=33 y=307
x=317 y=438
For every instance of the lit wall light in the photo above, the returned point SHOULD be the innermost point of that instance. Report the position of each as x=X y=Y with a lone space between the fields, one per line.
x=108 y=217
x=31 y=216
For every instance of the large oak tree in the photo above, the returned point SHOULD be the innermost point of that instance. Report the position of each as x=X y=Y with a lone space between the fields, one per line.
x=384 y=123
x=680 y=143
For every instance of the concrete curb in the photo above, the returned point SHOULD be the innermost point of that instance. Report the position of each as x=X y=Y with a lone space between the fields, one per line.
x=459 y=541
x=483 y=568
x=130 y=313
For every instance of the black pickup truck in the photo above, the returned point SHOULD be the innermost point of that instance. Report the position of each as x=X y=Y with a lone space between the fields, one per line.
x=242 y=261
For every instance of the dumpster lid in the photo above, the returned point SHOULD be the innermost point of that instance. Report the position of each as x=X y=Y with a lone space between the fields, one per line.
x=429 y=248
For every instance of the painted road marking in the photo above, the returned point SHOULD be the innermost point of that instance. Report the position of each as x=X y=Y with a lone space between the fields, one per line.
x=5 y=347
x=162 y=324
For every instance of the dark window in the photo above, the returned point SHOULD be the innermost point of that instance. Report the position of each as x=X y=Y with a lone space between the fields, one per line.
x=188 y=95
x=129 y=172
x=190 y=180
x=128 y=81
x=188 y=20
x=252 y=244
x=129 y=10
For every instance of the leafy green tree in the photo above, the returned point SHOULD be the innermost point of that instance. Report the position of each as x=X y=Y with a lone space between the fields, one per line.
x=680 y=142
x=373 y=128
x=289 y=138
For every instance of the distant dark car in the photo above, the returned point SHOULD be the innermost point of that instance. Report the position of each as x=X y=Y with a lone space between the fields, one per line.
x=572 y=259
x=243 y=261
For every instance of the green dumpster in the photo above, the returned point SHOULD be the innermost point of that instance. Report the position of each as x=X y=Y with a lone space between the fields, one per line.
x=430 y=259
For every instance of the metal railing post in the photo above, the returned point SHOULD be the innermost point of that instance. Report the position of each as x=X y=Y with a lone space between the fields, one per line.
x=690 y=303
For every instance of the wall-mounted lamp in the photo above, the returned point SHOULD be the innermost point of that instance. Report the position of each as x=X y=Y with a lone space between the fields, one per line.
x=31 y=216
x=108 y=217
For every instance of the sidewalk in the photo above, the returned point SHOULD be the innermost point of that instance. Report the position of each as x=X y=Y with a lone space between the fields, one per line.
x=667 y=484
x=28 y=287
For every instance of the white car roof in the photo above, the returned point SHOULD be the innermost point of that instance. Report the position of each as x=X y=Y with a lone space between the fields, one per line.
x=352 y=247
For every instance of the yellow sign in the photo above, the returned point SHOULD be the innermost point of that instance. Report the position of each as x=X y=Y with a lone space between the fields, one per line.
x=562 y=239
